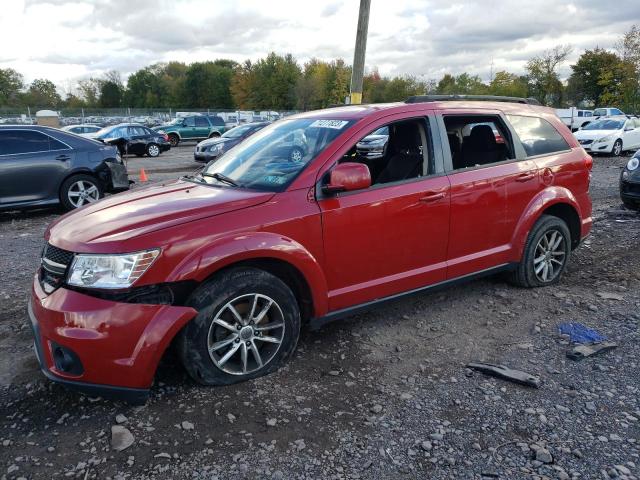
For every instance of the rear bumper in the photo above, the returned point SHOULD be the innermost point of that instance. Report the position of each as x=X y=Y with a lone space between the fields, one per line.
x=118 y=345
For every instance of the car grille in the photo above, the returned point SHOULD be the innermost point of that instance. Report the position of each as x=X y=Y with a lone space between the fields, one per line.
x=54 y=265
x=585 y=142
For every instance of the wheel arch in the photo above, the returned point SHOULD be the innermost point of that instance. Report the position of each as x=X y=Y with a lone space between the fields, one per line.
x=556 y=201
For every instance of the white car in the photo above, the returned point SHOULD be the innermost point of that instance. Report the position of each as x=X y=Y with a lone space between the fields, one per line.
x=84 y=130
x=602 y=112
x=610 y=135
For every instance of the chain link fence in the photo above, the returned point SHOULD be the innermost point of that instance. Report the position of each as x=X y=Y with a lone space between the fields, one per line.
x=145 y=116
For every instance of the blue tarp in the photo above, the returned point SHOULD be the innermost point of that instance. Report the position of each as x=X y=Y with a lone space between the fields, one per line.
x=578 y=333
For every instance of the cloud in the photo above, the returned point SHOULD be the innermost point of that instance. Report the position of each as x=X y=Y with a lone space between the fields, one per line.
x=426 y=38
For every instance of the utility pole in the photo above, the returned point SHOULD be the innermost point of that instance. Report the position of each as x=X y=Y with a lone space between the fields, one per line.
x=358 y=57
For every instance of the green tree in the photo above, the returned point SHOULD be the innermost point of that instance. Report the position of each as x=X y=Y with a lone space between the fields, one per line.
x=544 y=83
x=508 y=84
x=89 y=91
x=43 y=93
x=374 y=86
x=11 y=83
x=208 y=84
x=111 y=94
x=585 y=84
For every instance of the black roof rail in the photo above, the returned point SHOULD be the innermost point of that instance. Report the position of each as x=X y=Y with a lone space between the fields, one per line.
x=487 y=98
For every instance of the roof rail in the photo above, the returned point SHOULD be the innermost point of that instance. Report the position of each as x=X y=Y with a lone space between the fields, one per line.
x=488 y=98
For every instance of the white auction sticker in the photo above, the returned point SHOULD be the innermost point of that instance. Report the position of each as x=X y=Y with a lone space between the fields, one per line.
x=337 y=124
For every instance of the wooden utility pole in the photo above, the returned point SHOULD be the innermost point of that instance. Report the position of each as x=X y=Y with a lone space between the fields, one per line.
x=358 y=57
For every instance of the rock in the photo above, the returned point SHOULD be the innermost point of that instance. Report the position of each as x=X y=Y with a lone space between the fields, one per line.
x=120 y=418
x=187 y=425
x=406 y=396
x=162 y=455
x=426 y=445
x=610 y=296
x=543 y=455
x=436 y=436
x=377 y=408
x=231 y=417
x=121 y=438
x=334 y=373
x=271 y=422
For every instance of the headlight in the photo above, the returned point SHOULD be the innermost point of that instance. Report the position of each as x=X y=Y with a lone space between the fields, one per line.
x=110 y=271
x=633 y=164
x=608 y=138
x=215 y=148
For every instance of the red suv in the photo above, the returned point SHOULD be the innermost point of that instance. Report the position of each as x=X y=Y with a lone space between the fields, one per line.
x=230 y=263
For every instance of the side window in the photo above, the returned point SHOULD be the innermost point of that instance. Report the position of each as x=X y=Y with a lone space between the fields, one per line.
x=56 y=144
x=476 y=140
x=201 y=122
x=398 y=151
x=190 y=122
x=217 y=121
x=22 y=141
x=538 y=136
x=615 y=111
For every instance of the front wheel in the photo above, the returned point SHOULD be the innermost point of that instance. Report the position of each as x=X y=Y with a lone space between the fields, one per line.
x=79 y=190
x=247 y=326
x=545 y=255
x=617 y=148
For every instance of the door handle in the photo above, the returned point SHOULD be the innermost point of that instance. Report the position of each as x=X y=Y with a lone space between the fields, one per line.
x=63 y=158
x=432 y=197
x=525 y=177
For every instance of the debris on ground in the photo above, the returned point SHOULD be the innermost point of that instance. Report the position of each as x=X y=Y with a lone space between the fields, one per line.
x=506 y=373
x=579 y=333
x=580 y=352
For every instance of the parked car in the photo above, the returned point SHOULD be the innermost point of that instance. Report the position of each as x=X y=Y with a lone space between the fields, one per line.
x=84 y=129
x=43 y=166
x=604 y=112
x=228 y=264
x=610 y=135
x=575 y=118
x=630 y=183
x=194 y=127
x=374 y=145
x=212 y=148
x=136 y=139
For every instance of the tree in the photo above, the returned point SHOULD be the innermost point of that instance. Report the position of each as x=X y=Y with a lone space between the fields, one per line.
x=11 y=83
x=111 y=94
x=43 y=93
x=584 y=83
x=544 y=83
x=463 y=84
x=208 y=84
x=89 y=91
x=508 y=84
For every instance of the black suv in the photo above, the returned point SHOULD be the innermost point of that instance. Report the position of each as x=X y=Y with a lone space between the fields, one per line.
x=43 y=166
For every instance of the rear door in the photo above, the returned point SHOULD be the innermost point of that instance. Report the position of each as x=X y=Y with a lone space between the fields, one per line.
x=202 y=127
x=138 y=139
x=33 y=165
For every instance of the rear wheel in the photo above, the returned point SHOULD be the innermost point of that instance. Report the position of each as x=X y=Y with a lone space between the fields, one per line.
x=174 y=140
x=79 y=190
x=153 y=150
x=214 y=135
x=545 y=255
x=247 y=326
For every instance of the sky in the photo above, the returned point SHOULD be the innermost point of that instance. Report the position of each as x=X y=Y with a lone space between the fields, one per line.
x=69 y=40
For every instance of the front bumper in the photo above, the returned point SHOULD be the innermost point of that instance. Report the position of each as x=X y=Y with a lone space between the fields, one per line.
x=118 y=179
x=118 y=345
x=593 y=147
x=630 y=191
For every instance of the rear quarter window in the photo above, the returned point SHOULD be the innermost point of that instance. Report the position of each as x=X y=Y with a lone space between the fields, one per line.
x=538 y=137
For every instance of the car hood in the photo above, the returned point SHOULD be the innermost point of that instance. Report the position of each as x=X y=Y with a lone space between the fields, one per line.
x=121 y=217
x=214 y=141
x=593 y=134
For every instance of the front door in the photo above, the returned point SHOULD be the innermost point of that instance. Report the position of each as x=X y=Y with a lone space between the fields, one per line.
x=202 y=127
x=391 y=237
x=188 y=131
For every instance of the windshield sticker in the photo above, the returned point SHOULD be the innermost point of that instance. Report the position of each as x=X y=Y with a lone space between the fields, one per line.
x=274 y=179
x=337 y=124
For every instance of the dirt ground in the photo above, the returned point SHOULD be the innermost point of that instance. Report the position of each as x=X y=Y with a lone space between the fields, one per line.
x=380 y=395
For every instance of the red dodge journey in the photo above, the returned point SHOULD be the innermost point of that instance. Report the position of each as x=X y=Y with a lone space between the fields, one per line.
x=301 y=224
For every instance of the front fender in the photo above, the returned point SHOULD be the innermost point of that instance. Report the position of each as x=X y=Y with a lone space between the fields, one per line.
x=544 y=199
x=226 y=251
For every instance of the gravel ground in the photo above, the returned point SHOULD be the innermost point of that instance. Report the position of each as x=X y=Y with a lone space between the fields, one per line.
x=381 y=395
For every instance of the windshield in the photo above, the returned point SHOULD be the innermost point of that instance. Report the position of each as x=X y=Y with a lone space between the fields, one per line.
x=272 y=157
x=106 y=132
x=605 y=125
x=238 y=132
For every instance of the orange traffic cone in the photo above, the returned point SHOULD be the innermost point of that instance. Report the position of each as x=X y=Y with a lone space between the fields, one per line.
x=143 y=176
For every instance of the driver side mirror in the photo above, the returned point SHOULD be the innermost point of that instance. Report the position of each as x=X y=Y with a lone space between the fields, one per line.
x=347 y=177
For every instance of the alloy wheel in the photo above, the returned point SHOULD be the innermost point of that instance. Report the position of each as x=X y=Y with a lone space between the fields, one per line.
x=617 y=148
x=246 y=334
x=82 y=192
x=550 y=256
x=153 y=150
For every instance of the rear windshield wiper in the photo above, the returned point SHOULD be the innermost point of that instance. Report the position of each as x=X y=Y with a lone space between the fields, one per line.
x=222 y=178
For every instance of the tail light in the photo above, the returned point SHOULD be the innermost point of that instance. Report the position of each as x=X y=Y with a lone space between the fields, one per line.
x=588 y=161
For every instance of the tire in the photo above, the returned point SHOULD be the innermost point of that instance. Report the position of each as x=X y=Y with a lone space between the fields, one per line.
x=71 y=196
x=174 y=140
x=215 y=324
x=214 y=135
x=529 y=273
x=296 y=154
x=153 y=150
x=616 y=151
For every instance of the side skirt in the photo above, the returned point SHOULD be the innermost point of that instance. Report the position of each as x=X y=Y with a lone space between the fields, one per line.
x=318 y=322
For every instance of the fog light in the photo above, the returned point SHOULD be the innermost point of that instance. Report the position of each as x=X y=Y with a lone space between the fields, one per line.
x=66 y=360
